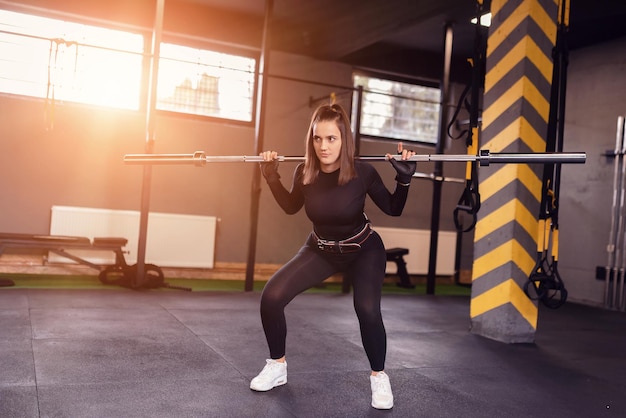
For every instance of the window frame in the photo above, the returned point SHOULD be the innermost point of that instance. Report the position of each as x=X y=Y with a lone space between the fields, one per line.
x=401 y=79
x=143 y=78
x=71 y=43
x=218 y=47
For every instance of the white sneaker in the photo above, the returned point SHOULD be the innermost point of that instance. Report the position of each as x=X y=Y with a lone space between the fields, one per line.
x=273 y=374
x=382 y=398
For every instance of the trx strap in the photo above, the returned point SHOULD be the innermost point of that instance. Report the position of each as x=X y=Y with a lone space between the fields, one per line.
x=546 y=282
x=469 y=202
x=548 y=287
x=54 y=69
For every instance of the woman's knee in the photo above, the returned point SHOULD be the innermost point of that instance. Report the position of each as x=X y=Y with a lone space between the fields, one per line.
x=368 y=312
x=272 y=299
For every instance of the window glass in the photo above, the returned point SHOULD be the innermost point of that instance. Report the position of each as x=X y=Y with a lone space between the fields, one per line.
x=206 y=83
x=65 y=61
x=398 y=110
x=54 y=59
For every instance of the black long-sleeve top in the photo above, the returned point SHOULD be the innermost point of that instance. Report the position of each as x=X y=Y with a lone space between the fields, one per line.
x=337 y=211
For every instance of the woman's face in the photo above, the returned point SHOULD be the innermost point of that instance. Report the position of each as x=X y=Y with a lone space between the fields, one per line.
x=327 y=145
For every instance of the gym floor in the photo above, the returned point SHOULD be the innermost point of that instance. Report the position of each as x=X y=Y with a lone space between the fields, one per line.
x=169 y=353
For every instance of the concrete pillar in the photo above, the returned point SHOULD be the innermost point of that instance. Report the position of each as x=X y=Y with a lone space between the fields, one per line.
x=515 y=119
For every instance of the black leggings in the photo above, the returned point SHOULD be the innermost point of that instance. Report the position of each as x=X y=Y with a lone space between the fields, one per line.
x=365 y=270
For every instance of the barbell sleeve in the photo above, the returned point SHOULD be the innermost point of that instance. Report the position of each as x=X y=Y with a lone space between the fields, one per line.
x=485 y=158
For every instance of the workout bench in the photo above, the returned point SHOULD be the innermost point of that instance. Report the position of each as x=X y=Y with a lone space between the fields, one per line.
x=59 y=244
x=397 y=256
x=119 y=273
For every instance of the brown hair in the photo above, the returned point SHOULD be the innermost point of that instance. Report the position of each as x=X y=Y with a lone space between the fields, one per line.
x=311 y=163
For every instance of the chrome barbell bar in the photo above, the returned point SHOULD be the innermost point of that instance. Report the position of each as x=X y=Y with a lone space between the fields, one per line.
x=485 y=158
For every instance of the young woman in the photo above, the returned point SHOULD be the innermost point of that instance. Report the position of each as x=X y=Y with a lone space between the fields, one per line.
x=332 y=187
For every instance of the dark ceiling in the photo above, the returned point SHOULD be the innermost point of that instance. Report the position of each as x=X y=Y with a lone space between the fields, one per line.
x=400 y=36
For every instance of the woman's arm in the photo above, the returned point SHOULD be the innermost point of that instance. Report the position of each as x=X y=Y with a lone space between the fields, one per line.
x=290 y=201
x=393 y=204
x=390 y=203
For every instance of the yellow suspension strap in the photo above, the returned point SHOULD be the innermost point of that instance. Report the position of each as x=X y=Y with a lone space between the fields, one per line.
x=545 y=278
x=554 y=292
x=545 y=283
x=469 y=202
x=541 y=274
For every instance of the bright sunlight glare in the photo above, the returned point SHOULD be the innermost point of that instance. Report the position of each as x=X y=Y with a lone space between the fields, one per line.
x=67 y=61
x=232 y=77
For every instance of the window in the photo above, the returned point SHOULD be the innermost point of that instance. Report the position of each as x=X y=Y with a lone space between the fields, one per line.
x=397 y=110
x=205 y=83
x=64 y=61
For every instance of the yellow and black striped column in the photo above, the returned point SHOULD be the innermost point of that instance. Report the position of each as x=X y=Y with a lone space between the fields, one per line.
x=516 y=105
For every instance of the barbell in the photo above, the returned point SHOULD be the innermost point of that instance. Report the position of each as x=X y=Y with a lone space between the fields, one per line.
x=485 y=158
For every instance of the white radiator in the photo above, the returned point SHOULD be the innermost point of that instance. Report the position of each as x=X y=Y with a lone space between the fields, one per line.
x=173 y=240
x=417 y=241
